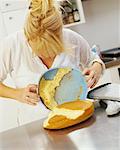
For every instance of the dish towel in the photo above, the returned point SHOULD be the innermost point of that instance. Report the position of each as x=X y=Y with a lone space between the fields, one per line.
x=111 y=107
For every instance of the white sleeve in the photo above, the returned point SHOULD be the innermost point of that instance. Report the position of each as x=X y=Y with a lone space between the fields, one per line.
x=86 y=56
x=5 y=58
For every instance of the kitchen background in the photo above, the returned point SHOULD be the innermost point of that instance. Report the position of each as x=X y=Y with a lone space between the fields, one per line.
x=101 y=27
x=102 y=23
x=99 y=23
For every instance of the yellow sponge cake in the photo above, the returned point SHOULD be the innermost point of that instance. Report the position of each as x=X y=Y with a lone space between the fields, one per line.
x=47 y=88
x=66 y=114
x=69 y=114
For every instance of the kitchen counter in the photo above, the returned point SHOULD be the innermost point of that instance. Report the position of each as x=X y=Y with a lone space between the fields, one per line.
x=112 y=63
x=97 y=133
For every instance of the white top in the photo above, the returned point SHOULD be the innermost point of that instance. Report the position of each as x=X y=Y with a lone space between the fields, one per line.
x=17 y=59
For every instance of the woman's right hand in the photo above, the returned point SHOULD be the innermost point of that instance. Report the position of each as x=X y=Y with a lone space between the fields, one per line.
x=28 y=95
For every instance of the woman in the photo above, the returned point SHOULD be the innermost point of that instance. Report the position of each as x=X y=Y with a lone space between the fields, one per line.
x=43 y=44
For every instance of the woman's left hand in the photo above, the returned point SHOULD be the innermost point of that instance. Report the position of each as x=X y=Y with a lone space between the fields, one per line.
x=93 y=74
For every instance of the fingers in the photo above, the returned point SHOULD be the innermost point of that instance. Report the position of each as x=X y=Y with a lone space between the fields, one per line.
x=95 y=83
x=86 y=71
x=91 y=77
x=89 y=74
x=30 y=101
x=91 y=83
x=33 y=96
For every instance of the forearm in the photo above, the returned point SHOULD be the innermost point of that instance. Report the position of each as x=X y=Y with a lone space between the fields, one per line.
x=25 y=95
x=8 y=92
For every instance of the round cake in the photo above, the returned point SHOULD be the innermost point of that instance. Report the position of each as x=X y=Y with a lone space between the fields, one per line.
x=65 y=114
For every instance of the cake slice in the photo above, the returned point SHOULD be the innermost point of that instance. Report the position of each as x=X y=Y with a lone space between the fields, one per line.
x=68 y=114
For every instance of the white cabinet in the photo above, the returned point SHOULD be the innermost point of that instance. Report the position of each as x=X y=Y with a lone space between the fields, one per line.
x=8 y=114
x=14 y=20
x=9 y=110
x=13 y=13
x=28 y=113
x=11 y=5
x=72 y=12
x=2 y=30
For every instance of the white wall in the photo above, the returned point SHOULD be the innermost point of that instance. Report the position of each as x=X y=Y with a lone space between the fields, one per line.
x=102 y=23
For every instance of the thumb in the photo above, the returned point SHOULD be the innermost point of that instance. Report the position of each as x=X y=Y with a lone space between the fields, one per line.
x=86 y=71
x=33 y=88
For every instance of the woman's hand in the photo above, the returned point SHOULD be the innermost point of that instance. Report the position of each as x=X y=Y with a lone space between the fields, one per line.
x=93 y=74
x=28 y=95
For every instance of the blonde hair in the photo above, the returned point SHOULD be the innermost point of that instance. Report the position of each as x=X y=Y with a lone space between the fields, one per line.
x=43 y=28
